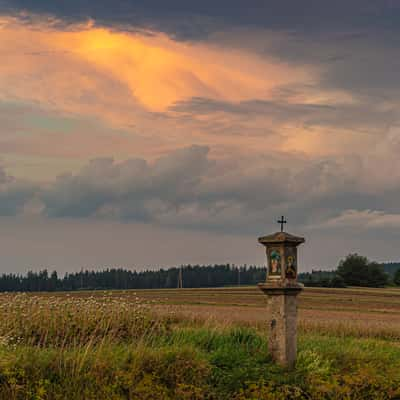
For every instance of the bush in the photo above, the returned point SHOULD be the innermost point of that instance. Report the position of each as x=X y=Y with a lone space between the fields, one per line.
x=396 y=278
x=338 y=282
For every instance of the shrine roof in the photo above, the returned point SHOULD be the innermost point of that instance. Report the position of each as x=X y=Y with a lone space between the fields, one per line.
x=281 y=237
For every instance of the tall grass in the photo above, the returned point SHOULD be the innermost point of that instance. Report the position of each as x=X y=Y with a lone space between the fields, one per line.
x=68 y=321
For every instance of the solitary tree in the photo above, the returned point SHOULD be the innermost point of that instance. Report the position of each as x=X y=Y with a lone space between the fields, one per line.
x=357 y=270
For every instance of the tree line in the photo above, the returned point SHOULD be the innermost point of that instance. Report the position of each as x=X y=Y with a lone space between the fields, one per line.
x=354 y=270
x=193 y=276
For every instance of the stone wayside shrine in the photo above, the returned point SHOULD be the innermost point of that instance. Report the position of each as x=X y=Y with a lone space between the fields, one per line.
x=282 y=289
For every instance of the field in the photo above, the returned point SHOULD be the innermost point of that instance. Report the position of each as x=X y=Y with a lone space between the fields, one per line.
x=196 y=344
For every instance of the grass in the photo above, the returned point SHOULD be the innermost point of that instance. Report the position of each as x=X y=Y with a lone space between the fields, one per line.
x=115 y=345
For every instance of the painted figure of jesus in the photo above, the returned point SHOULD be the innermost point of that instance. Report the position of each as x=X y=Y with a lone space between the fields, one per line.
x=275 y=263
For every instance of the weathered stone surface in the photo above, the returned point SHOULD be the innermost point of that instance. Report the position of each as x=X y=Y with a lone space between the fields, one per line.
x=280 y=237
x=282 y=288
x=282 y=322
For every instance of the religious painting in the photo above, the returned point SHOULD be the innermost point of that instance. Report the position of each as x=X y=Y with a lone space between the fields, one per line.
x=275 y=262
x=291 y=263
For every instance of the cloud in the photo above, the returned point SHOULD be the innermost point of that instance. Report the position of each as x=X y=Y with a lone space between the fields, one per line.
x=341 y=55
x=190 y=188
x=363 y=219
x=130 y=189
x=149 y=94
x=359 y=115
x=39 y=144
x=116 y=74
x=14 y=194
x=188 y=20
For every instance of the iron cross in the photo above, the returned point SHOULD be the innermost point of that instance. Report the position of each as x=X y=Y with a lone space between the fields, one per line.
x=282 y=221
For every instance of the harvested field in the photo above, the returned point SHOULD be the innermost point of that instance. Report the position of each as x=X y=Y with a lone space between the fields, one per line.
x=365 y=312
x=356 y=311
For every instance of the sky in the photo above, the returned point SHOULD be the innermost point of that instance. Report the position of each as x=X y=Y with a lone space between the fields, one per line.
x=150 y=133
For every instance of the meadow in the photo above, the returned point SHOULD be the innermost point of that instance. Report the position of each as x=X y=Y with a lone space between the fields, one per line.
x=196 y=344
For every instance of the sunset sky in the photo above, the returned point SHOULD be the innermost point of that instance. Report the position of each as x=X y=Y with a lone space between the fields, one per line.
x=143 y=133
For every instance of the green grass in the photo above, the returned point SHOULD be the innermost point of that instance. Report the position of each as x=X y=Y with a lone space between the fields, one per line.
x=202 y=363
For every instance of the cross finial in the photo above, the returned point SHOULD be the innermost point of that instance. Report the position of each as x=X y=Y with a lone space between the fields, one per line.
x=282 y=221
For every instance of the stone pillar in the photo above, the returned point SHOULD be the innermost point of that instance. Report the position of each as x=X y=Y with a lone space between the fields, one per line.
x=282 y=288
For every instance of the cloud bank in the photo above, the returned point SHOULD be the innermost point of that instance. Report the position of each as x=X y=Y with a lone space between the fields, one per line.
x=190 y=188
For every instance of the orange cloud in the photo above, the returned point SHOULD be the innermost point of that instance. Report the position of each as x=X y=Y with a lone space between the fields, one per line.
x=60 y=68
x=160 y=72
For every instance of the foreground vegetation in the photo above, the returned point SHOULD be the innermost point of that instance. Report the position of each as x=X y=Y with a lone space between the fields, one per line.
x=113 y=346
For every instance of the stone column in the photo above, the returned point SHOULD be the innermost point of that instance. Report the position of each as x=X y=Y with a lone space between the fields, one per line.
x=282 y=288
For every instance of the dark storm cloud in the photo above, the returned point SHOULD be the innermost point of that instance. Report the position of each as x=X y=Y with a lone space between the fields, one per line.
x=197 y=18
x=14 y=194
x=365 y=62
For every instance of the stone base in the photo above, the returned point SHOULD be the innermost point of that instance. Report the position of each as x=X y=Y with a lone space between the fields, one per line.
x=286 y=285
x=282 y=321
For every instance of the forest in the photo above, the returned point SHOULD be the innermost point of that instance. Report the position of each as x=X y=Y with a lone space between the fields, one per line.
x=193 y=276
x=354 y=270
